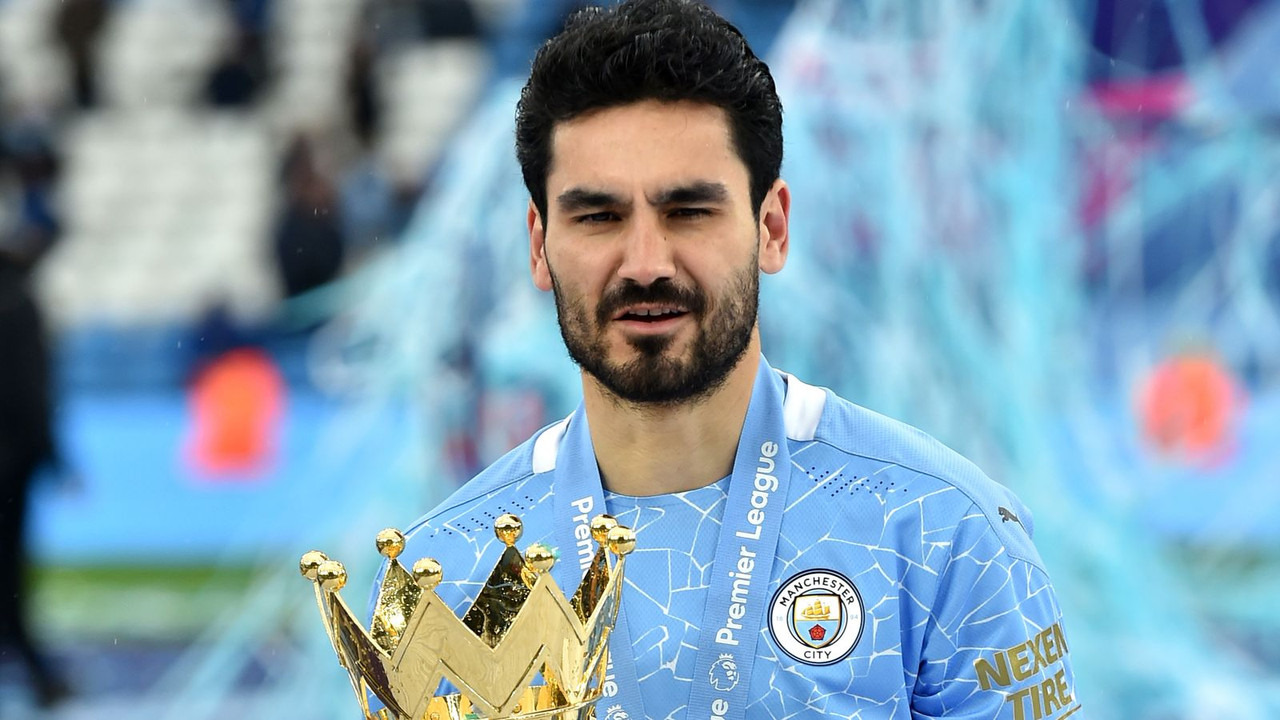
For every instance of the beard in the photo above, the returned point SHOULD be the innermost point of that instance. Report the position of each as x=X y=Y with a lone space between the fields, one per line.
x=656 y=376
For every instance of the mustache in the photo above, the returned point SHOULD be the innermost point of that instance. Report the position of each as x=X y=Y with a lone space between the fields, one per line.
x=663 y=291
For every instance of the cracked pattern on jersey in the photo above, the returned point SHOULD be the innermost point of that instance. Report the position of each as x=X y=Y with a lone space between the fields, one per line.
x=941 y=594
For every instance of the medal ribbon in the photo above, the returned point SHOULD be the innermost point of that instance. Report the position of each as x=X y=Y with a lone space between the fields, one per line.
x=736 y=598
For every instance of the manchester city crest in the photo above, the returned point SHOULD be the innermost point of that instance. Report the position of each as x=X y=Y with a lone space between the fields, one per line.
x=816 y=617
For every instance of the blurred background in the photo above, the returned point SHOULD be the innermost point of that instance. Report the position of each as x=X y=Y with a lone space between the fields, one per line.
x=263 y=278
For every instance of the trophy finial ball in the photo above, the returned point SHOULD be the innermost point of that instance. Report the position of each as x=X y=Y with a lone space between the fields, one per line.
x=540 y=557
x=508 y=528
x=390 y=543
x=600 y=527
x=332 y=575
x=310 y=562
x=427 y=573
x=622 y=540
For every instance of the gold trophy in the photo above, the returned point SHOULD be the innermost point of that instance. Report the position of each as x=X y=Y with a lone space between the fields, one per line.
x=519 y=627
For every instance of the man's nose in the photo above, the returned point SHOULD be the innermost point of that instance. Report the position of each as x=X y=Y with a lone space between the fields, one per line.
x=647 y=255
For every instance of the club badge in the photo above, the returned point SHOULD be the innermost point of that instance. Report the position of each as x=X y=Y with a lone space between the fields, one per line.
x=816 y=617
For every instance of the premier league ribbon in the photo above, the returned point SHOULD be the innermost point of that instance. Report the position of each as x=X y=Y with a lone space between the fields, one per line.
x=737 y=597
x=579 y=496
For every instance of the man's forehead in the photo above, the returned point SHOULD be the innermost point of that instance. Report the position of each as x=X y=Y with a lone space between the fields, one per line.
x=621 y=125
x=651 y=146
x=649 y=107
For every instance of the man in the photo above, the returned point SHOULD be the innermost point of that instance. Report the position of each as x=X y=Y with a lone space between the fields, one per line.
x=27 y=434
x=797 y=555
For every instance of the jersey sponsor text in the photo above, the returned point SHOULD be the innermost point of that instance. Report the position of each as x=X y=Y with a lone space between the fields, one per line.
x=1024 y=661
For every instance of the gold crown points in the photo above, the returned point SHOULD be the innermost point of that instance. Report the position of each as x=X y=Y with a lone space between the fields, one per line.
x=519 y=626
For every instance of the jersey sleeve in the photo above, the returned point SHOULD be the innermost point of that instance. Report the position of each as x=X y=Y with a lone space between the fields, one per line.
x=995 y=646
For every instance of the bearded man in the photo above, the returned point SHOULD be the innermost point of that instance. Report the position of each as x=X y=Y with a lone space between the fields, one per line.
x=798 y=556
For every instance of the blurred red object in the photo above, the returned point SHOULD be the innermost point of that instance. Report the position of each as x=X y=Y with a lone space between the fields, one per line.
x=236 y=403
x=1156 y=97
x=1190 y=407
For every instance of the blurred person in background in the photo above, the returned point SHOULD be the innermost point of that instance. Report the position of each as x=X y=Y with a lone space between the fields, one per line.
x=366 y=192
x=236 y=77
x=242 y=69
x=362 y=89
x=27 y=436
x=77 y=27
x=309 y=239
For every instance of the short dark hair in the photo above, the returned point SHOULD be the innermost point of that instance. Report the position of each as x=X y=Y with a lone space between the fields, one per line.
x=667 y=50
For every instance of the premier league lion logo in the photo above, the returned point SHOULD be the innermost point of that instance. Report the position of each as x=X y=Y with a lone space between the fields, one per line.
x=615 y=712
x=724 y=673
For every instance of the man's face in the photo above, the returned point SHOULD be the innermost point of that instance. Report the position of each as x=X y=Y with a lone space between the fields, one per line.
x=652 y=248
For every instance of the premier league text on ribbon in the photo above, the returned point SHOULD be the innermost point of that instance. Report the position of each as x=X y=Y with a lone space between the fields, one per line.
x=766 y=483
x=582 y=530
x=582 y=534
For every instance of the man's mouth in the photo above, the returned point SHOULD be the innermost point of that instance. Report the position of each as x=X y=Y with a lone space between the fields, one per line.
x=650 y=314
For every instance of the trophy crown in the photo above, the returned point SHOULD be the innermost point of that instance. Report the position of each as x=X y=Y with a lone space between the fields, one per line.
x=519 y=628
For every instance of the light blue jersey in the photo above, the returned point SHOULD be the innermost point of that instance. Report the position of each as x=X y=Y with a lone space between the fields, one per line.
x=905 y=582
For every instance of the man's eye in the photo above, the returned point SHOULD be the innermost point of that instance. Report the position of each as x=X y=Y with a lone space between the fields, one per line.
x=690 y=212
x=596 y=217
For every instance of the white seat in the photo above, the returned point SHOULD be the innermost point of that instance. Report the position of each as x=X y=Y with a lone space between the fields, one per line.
x=166 y=205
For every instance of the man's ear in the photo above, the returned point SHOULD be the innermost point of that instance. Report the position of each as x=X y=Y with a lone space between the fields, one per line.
x=538 y=249
x=775 y=214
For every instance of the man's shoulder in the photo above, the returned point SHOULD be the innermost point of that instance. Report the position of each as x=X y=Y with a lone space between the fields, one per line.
x=859 y=431
x=503 y=486
x=902 y=454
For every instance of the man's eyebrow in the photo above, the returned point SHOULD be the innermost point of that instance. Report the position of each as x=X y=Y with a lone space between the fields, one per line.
x=575 y=199
x=702 y=191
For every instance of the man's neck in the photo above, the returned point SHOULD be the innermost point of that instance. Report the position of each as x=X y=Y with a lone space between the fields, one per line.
x=646 y=450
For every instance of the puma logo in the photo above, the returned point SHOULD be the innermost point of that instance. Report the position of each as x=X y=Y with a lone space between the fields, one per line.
x=1006 y=515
